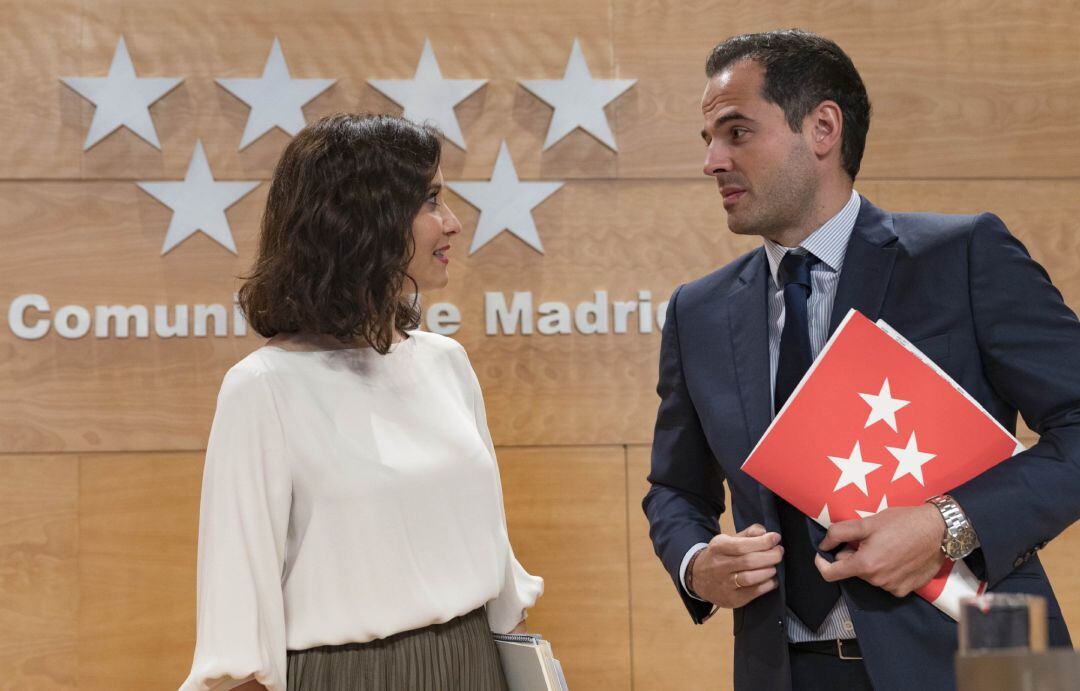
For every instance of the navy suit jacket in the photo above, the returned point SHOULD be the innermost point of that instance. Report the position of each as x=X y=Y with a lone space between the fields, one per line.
x=968 y=295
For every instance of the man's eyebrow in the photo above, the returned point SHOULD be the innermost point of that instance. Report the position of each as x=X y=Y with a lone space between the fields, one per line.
x=726 y=118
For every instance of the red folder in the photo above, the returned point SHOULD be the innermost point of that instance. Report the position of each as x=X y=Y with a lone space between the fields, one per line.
x=875 y=423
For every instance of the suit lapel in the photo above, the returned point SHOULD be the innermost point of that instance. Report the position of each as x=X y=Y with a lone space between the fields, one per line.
x=868 y=264
x=749 y=329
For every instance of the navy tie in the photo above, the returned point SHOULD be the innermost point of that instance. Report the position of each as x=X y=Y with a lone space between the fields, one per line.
x=809 y=596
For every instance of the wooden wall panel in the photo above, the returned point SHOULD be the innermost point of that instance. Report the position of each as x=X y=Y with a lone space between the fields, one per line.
x=39 y=572
x=42 y=139
x=669 y=650
x=138 y=522
x=99 y=243
x=961 y=89
x=203 y=40
x=975 y=106
x=94 y=243
x=566 y=512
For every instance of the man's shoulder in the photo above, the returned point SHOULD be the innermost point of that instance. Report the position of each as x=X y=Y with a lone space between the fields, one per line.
x=721 y=281
x=928 y=230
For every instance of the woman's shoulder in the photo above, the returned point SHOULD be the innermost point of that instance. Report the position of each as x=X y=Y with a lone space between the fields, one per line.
x=249 y=375
x=433 y=342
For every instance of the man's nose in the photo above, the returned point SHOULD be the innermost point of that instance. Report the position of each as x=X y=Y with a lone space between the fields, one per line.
x=717 y=160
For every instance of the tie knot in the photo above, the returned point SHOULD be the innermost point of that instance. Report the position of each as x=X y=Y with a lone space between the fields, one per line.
x=795 y=268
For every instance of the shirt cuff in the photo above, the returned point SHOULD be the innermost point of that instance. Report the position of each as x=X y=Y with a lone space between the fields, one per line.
x=682 y=568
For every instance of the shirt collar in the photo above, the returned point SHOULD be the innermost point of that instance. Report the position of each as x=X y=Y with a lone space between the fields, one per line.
x=828 y=243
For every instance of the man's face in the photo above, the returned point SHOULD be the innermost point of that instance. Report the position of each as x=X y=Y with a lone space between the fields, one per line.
x=766 y=173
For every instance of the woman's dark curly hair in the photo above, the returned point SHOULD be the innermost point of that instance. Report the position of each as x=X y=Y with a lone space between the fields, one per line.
x=336 y=236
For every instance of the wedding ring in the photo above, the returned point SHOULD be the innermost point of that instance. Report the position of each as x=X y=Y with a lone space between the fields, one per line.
x=735 y=578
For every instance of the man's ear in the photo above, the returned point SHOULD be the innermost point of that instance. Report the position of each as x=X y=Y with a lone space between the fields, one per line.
x=825 y=125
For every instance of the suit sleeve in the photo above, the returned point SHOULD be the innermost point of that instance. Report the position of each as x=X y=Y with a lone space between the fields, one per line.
x=1029 y=341
x=686 y=496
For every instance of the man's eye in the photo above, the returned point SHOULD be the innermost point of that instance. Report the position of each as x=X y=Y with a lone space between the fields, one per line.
x=738 y=132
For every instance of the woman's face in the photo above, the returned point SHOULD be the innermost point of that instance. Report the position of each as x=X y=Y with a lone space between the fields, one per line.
x=432 y=229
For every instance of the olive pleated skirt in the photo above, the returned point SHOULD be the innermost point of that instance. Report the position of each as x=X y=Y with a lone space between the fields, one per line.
x=459 y=654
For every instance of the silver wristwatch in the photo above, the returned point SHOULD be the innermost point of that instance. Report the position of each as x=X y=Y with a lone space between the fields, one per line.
x=959 y=539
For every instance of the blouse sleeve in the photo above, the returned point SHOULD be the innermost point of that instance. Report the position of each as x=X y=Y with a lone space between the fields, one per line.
x=520 y=589
x=243 y=522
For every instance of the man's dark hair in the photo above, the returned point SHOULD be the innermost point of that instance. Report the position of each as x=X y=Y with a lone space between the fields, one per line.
x=336 y=236
x=802 y=70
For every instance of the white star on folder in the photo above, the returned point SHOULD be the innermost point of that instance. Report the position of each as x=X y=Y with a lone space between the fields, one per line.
x=883 y=406
x=578 y=100
x=505 y=203
x=427 y=96
x=881 y=507
x=198 y=203
x=121 y=99
x=853 y=470
x=823 y=518
x=276 y=99
x=910 y=460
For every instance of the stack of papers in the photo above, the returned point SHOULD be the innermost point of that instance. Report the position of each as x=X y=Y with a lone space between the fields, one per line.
x=528 y=663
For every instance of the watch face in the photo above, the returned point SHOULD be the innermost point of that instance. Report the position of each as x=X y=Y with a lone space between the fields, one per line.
x=959 y=546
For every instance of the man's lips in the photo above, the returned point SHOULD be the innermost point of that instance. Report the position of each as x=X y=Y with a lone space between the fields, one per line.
x=731 y=194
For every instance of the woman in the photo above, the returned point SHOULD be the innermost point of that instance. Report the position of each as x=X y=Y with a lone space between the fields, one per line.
x=351 y=504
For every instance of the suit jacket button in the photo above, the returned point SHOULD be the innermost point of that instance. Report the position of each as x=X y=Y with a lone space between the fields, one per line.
x=1019 y=562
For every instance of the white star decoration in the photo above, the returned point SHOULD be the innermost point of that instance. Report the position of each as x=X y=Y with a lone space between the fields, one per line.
x=910 y=460
x=427 y=96
x=823 y=518
x=276 y=99
x=853 y=470
x=881 y=507
x=883 y=406
x=505 y=203
x=198 y=203
x=578 y=100
x=121 y=99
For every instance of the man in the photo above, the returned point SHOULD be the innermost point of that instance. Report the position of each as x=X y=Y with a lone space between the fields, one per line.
x=786 y=116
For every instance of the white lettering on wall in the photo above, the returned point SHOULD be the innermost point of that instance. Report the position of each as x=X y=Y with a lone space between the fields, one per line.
x=65 y=328
x=443 y=318
x=498 y=316
x=17 y=317
x=30 y=317
x=121 y=316
x=592 y=317
x=162 y=327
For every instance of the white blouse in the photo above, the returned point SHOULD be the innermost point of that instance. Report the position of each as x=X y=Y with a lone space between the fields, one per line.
x=347 y=496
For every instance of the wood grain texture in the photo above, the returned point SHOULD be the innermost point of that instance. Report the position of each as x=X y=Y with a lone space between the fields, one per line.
x=138 y=523
x=98 y=243
x=966 y=89
x=39 y=572
x=566 y=512
x=669 y=650
x=351 y=42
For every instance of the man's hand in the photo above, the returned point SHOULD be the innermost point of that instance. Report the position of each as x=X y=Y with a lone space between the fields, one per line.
x=735 y=569
x=898 y=549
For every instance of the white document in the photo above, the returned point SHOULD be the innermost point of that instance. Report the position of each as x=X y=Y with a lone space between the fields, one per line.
x=528 y=663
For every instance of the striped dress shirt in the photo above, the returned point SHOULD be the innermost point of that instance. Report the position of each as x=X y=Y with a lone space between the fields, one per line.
x=829 y=244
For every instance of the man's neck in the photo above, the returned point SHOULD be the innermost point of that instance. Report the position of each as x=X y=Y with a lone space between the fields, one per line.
x=825 y=207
